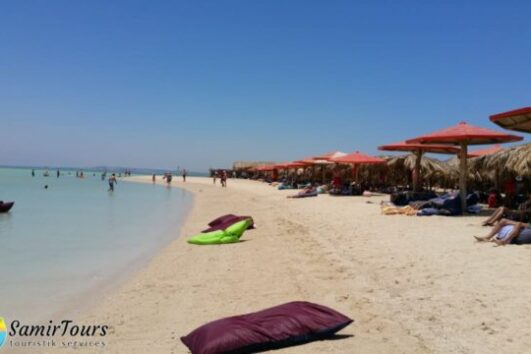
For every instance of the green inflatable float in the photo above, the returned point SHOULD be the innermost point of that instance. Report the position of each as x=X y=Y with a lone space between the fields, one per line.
x=231 y=234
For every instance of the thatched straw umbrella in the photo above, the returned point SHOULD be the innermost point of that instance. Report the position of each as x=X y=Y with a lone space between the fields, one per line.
x=404 y=164
x=419 y=150
x=512 y=161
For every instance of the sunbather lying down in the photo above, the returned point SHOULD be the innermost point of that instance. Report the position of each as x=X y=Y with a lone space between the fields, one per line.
x=508 y=231
x=306 y=192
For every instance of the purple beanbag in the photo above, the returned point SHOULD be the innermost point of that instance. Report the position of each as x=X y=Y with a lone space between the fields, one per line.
x=225 y=221
x=280 y=326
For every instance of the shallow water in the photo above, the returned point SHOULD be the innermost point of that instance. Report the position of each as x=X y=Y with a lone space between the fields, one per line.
x=64 y=245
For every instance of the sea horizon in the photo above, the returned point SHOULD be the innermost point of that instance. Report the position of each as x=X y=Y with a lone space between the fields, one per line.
x=99 y=169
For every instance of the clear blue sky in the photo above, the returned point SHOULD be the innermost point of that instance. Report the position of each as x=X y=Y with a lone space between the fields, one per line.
x=203 y=83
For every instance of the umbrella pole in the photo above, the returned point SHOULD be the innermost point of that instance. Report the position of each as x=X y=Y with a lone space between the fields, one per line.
x=462 y=174
x=416 y=180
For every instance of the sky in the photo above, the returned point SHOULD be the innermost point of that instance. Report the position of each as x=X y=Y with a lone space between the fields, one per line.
x=200 y=84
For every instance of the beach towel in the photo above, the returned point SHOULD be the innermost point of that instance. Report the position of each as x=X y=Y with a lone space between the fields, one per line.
x=285 y=325
x=391 y=209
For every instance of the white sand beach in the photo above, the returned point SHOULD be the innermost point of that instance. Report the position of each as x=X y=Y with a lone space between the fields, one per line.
x=412 y=284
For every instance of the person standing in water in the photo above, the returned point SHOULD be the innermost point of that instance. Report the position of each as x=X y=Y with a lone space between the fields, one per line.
x=112 y=182
x=153 y=178
x=184 y=175
x=58 y=173
x=32 y=172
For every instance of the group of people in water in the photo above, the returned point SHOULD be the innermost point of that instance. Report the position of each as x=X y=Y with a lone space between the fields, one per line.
x=80 y=174
x=46 y=173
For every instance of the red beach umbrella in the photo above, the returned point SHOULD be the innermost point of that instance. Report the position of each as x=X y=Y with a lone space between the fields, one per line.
x=518 y=119
x=306 y=161
x=280 y=166
x=357 y=158
x=487 y=151
x=463 y=135
x=419 y=150
x=288 y=165
x=265 y=168
x=295 y=165
x=320 y=160
x=330 y=155
x=434 y=148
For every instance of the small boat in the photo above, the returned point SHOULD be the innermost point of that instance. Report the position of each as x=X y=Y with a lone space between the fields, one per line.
x=5 y=206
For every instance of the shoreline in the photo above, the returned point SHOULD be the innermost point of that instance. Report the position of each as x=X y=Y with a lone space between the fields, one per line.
x=58 y=261
x=411 y=284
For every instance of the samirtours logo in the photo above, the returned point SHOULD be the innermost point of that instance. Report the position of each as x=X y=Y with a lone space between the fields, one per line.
x=63 y=334
x=3 y=332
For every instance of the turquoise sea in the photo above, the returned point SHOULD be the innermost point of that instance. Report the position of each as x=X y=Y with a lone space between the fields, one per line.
x=63 y=247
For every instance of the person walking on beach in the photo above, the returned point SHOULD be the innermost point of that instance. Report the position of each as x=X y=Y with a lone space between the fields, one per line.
x=112 y=182
x=168 y=178
x=153 y=178
x=224 y=178
x=214 y=176
x=184 y=175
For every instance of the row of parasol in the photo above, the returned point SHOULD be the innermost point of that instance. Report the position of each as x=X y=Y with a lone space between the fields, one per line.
x=453 y=140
